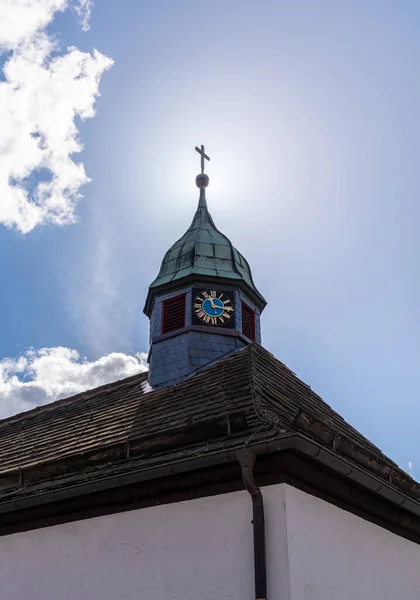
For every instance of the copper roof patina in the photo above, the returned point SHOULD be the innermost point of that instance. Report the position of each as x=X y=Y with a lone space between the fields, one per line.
x=204 y=252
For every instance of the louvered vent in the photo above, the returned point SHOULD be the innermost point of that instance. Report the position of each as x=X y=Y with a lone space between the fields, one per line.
x=248 y=321
x=173 y=314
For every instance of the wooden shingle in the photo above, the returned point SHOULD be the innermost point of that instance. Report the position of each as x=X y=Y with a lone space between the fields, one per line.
x=248 y=393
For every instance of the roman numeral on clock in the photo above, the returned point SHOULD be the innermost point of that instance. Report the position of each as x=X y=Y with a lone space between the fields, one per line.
x=213 y=308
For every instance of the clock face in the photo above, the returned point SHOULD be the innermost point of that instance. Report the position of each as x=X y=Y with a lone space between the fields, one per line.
x=213 y=307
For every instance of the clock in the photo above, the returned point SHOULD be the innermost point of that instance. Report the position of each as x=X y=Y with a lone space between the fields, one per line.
x=213 y=307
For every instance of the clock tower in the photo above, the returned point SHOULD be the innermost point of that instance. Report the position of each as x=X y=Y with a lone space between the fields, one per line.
x=203 y=304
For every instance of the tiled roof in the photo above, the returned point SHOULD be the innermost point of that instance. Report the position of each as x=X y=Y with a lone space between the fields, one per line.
x=119 y=426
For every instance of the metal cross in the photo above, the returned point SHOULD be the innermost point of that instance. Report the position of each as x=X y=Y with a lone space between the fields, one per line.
x=203 y=156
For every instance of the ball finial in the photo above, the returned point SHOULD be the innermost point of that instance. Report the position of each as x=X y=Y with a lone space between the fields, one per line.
x=202 y=180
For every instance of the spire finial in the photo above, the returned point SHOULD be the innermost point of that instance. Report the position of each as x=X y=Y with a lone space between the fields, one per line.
x=202 y=180
x=203 y=156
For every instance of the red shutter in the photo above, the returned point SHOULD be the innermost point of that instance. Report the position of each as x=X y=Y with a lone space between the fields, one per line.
x=248 y=321
x=173 y=315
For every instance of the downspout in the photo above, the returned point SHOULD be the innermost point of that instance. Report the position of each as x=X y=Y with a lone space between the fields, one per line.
x=247 y=460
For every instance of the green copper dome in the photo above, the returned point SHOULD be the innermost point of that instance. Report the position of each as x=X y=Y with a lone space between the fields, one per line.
x=203 y=253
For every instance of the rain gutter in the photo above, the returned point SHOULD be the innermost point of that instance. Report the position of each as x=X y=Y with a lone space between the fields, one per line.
x=294 y=441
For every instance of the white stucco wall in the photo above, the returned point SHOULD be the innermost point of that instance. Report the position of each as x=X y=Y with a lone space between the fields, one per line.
x=196 y=550
x=203 y=550
x=334 y=555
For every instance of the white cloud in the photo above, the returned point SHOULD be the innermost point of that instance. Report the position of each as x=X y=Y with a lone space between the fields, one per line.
x=44 y=90
x=22 y=20
x=48 y=374
x=84 y=9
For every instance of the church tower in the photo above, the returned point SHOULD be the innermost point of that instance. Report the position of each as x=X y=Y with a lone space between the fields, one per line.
x=203 y=304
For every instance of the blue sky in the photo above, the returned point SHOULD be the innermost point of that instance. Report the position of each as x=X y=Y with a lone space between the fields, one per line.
x=309 y=111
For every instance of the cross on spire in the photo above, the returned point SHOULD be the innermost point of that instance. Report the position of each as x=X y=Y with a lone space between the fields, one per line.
x=203 y=156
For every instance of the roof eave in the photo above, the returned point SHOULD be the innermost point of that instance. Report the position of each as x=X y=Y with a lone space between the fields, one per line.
x=340 y=466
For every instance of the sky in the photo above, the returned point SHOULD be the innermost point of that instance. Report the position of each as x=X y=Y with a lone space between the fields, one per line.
x=309 y=112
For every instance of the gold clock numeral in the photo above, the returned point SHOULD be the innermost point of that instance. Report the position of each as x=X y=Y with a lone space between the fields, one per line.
x=211 y=295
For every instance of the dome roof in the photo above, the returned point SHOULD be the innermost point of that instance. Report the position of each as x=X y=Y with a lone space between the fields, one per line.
x=204 y=252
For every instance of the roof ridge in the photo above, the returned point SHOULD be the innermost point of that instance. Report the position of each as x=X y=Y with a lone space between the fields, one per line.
x=314 y=404
x=255 y=349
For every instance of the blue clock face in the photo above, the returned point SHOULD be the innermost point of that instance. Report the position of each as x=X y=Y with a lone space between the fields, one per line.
x=213 y=307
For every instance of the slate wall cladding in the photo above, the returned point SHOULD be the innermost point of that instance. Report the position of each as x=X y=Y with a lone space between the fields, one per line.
x=169 y=360
x=175 y=357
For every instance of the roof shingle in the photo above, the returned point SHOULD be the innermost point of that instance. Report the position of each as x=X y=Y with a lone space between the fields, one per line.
x=248 y=393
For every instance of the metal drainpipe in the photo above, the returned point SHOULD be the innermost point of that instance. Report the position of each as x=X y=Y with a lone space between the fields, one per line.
x=247 y=460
